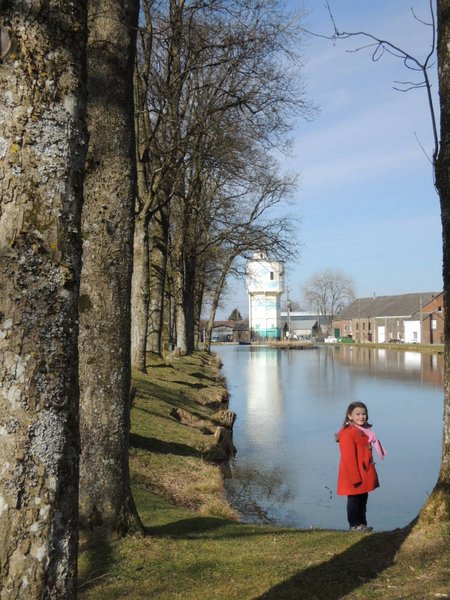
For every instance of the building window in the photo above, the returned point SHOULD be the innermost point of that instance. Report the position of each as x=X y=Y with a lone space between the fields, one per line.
x=415 y=335
x=439 y=308
x=357 y=326
x=345 y=327
x=369 y=326
x=272 y=275
x=433 y=324
x=364 y=326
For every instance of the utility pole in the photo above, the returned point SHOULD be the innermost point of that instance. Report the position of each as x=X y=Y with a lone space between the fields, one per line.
x=288 y=306
x=420 y=318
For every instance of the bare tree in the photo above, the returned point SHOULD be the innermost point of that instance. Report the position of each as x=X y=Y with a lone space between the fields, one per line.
x=438 y=505
x=222 y=87
x=437 y=508
x=328 y=292
x=42 y=141
x=107 y=225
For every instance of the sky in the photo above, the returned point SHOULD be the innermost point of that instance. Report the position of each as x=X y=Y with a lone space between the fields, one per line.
x=366 y=198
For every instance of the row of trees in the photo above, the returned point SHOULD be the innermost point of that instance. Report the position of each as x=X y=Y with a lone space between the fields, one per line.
x=137 y=147
x=209 y=103
x=217 y=86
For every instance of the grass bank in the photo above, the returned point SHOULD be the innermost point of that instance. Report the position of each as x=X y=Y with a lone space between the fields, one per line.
x=195 y=548
x=304 y=345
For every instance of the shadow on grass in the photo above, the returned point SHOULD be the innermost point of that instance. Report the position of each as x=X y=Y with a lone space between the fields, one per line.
x=195 y=386
x=187 y=528
x=97 y=550
x=199 y=375
x=160 y=446
x=174 y=397
x=345 y=572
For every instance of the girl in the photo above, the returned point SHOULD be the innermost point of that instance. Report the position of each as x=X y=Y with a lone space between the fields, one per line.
x=357 y=475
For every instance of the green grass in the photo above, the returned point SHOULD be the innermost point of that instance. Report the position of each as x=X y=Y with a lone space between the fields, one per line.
x=195 y=549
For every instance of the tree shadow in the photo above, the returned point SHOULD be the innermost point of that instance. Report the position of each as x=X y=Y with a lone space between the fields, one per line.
x=160 y=446
x=186 y=528
x=197 y=386
x=199 y=375
x=97 y=548
x=345 y=572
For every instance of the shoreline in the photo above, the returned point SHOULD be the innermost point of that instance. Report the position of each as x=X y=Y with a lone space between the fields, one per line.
x=195 y=547
x=307 y=344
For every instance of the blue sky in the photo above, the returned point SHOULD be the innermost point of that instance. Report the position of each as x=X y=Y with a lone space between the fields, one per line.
x=366 y=197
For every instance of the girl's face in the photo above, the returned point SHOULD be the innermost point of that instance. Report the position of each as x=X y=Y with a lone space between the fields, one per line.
x=358 y=416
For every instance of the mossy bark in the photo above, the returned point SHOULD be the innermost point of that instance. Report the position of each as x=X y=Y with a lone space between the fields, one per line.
x=42 y=141
x=107 y=228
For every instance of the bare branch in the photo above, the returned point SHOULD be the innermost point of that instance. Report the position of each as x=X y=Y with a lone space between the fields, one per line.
x=381 y=46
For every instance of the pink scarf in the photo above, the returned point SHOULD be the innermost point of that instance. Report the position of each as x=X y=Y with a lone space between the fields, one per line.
x=373 y=440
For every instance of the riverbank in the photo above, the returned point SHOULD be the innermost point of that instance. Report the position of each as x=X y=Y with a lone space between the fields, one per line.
x=308 y=344
x=423 y=348
x=196 y=548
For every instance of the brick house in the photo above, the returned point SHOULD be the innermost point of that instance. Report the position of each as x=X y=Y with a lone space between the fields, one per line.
x=427 y=325
x=417 y=317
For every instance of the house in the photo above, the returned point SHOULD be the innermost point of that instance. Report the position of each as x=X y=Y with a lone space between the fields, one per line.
x=300 y=325
x=431 y=315
x=222 y=331
x=241 y=332
x=417 y=317
x=227 y=331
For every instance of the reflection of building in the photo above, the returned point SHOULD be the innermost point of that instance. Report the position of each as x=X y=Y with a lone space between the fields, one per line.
x=265 y=285
x=264 y=395
x=387 y=364
x=407 y=318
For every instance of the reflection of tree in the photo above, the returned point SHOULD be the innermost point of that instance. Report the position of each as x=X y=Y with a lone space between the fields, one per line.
x=329 y=376
x=257 y=495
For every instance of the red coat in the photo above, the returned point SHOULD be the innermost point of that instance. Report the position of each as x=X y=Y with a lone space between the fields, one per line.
x=357 y=474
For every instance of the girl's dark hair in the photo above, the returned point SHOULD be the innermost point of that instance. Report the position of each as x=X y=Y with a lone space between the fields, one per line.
x=350 y=409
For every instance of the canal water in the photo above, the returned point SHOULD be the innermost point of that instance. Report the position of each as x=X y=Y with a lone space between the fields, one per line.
x=290 y=403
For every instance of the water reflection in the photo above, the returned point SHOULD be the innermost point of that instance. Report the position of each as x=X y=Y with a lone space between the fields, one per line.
x=264 y=395
x=389 y=363
x=290 y=403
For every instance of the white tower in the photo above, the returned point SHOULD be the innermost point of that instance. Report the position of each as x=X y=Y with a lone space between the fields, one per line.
x=265 y=285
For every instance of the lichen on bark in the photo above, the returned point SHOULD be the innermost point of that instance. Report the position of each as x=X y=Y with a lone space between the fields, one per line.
x=42 y=143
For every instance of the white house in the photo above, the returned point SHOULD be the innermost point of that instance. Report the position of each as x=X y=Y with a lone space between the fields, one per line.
x=412 y=331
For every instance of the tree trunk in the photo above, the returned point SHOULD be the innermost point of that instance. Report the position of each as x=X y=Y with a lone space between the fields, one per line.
x=199 y=294
x=140 y=295
x=189 y=301
x=107 y=225
x=215 y=300
x=42 y=143
x=140 y=284
x=178 y=298
x=158 y=276
x=437 y=507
